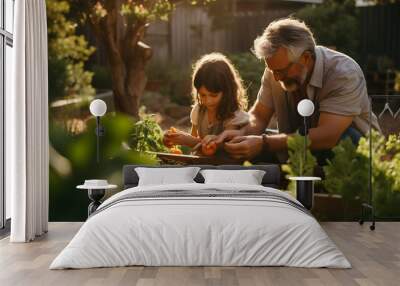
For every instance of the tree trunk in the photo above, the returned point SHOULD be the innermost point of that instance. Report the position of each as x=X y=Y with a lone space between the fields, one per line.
x=129 y=79
x=127 y=57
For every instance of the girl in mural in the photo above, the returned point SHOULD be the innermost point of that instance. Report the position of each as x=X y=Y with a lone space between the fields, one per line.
x=219 y=104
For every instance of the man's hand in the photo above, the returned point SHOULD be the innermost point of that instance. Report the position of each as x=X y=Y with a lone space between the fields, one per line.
x=207 y=139
x=228 y=135
x=244 y=147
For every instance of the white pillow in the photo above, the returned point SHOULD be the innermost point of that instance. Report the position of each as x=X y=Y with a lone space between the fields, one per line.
x=164 y=176
x=248 y=177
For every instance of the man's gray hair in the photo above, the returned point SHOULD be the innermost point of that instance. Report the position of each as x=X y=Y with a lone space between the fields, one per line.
x=289 y=33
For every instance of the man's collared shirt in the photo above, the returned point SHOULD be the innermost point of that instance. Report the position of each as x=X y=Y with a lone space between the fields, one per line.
x=337 y=85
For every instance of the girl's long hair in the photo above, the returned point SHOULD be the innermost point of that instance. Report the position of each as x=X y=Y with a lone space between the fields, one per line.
x=217 y=74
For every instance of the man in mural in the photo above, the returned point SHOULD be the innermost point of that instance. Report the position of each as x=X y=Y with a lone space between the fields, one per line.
x=296 y=69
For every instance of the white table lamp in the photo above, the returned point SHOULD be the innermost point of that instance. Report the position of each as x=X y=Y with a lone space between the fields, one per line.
x=98 y=107
x=304 y=184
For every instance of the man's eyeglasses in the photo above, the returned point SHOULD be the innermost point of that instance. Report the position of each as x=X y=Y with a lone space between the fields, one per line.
x=282 y=73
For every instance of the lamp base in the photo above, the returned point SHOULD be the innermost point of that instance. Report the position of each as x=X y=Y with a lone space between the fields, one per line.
x=305 y=193
x=305 y=190
x=95 y=196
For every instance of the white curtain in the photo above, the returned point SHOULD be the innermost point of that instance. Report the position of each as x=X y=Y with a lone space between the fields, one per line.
x=27 y=140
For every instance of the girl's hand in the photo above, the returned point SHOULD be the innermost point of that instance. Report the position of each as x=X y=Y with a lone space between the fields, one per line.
x=167 y=137
x=167 y=141
x=177 y=138
x=208 y=145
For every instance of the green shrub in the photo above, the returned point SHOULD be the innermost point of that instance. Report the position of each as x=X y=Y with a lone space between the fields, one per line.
x=347 y=173
x=57 y=70
x=296 y=166
x=173 y=81
x=251 y=70
x=330 y=29
x=73 y=160
x=147 y=135
x=68 y=52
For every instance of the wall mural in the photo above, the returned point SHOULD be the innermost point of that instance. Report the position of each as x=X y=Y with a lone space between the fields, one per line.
x=198 y=84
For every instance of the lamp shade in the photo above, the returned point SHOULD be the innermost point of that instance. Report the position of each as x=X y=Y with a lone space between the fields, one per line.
x=305 y=107
x=98 y=107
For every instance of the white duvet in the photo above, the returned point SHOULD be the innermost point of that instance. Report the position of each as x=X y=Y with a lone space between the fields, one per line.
x=200 y=231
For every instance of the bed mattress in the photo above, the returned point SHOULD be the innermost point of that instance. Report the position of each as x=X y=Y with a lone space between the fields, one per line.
x=201 y=225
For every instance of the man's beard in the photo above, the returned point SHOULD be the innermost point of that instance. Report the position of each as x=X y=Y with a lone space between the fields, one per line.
x=292 y=84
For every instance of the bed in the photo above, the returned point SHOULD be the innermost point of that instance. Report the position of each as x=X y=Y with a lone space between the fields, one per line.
x=201 y=224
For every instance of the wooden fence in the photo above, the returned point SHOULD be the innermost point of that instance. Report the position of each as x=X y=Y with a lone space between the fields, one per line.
x=191 y=33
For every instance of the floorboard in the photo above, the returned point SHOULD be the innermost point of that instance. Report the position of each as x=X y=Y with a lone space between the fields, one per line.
x=374 y=255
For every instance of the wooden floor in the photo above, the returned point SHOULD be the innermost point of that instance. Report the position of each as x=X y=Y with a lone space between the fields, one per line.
x=375 y=257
